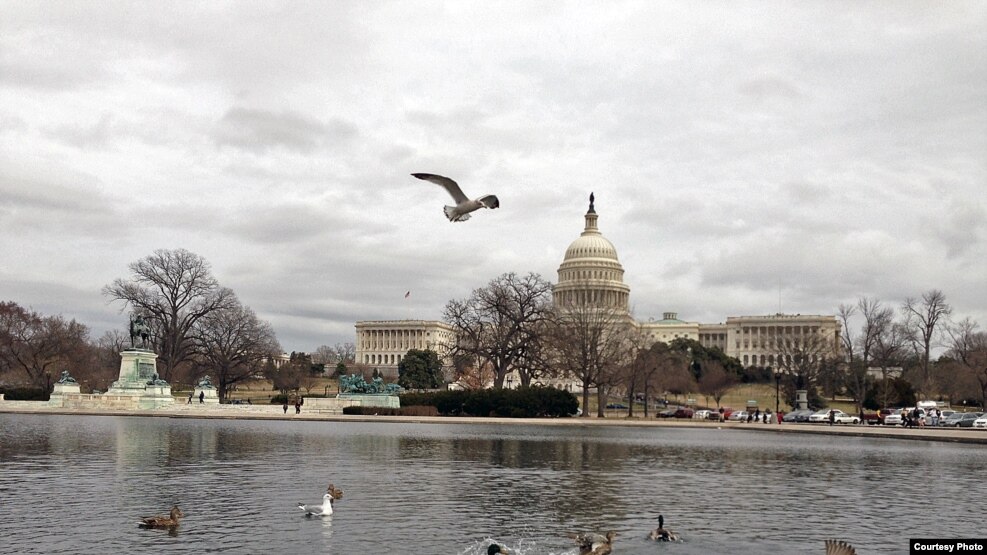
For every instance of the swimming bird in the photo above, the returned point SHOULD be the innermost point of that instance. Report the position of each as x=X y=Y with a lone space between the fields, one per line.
x=595 y=544
x=170 y=521
x=325 y=509
x=495 y=549
x=660 y=534
x=834 y=547
x=460 y=212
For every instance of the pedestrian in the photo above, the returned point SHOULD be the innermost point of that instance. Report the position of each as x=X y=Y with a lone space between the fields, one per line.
x=750 y=416
x=190 y=398
x=832 y=417
x=202 y=397
x=757 y=415
x=765 y=417
x=721 y=414
x=285 y=406
x=298 y=407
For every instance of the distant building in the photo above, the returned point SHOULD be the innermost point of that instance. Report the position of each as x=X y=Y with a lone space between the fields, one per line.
x=383 y=343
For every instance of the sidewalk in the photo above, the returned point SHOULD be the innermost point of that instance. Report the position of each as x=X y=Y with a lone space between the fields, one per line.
x=275 y=412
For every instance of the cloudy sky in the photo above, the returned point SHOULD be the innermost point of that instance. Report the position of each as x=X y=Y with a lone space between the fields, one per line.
x=747 y=157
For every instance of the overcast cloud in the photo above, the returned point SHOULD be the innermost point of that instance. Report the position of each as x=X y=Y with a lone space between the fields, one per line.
x=746 y=157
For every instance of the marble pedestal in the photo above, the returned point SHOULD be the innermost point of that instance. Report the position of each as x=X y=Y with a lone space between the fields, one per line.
x=209 y=395
x=138 y=373
x=60 y=391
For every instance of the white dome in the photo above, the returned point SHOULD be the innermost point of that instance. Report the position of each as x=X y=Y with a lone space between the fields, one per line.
x=590 y=273
x=590 y=246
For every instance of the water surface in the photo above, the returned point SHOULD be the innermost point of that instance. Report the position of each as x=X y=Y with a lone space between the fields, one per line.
x=73 y=484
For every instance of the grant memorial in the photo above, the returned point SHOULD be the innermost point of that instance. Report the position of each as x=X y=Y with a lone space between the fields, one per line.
x=139 y=385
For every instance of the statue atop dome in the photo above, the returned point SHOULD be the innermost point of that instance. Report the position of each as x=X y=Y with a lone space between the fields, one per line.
x=591 y=199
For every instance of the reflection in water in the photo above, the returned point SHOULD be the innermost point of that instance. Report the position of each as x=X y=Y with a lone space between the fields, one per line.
x=456 y=489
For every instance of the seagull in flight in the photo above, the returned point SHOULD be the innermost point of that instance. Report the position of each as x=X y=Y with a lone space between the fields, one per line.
x=460 y=212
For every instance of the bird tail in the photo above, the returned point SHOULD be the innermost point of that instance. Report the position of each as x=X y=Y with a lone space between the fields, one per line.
x=450 y=212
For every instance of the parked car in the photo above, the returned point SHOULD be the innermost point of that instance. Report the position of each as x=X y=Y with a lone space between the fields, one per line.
x=616 y=406
x=705 y=414
x=795 y=415
x=981 y=422
x=839 y=417
x=944 y=414
x=738 y=416
x=951 y=420
x=895 y=418
x=667 y=413
x=968 y=419
x=683 y=413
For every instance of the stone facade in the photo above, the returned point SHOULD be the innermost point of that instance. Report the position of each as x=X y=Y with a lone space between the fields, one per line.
x=382 y=344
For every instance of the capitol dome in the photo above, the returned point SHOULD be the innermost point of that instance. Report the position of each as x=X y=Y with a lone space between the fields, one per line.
x=590 y=273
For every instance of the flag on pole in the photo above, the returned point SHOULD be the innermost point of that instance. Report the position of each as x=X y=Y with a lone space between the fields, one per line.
x=408 y=294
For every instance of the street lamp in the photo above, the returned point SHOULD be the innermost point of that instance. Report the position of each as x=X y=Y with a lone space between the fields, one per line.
x=777 y=391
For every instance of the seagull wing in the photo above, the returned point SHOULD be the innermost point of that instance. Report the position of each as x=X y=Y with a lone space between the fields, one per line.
x=448 y=184
x=490 y=201
x=834 y=547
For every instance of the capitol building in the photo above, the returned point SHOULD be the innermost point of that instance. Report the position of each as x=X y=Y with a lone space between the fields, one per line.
x=591 y=276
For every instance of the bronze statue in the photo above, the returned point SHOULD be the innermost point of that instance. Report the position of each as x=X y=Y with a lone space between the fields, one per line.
x=139 y=330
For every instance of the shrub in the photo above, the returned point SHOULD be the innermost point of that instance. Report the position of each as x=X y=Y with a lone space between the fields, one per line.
x=524 y=402
x=25 y=394
x=279 y=399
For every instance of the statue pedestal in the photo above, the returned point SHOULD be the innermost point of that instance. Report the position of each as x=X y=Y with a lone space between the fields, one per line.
x=209 y=395
x=370 y=400
x=138 y=370
x=59 y=391
x=802 y=399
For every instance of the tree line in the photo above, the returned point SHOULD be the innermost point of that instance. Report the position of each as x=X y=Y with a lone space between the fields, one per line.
x=198 y=328
x=511 y=325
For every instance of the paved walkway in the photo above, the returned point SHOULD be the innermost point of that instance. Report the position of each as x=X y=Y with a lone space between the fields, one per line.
x=275 y=412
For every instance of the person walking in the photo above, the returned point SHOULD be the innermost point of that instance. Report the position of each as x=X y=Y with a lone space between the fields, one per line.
x=190 y=395
x=285 y=406
x=202 y=397
x=298 y=407
x=832 y=417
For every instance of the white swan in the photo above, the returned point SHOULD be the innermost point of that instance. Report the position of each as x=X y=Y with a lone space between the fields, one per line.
x=460 y=212
x=325 y=509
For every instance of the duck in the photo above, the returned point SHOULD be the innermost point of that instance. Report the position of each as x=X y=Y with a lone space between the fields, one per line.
x=595 y=544
x=660 y=534
x=170 y=521
x=834 y=547
x=325 y=509
x=495 y=549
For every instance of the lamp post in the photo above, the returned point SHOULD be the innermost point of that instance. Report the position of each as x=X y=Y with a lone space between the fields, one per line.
x=777 y=391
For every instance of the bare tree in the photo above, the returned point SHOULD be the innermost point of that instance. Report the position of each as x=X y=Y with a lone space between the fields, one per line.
x=805 y=358
x=500 y=322
x=39 y=346
x=923 y=319
x=173 y=290
x=331 y=356
x=968 y=347
x=715 y=380
x=858 y=350
x=887 y=353
x=588 y=343
x=233 y=344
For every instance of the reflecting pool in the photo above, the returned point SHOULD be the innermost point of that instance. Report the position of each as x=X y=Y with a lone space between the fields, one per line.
x=79 y=484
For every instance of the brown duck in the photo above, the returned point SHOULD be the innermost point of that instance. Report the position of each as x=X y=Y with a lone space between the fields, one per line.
x=595 y=544
x=170 y=521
